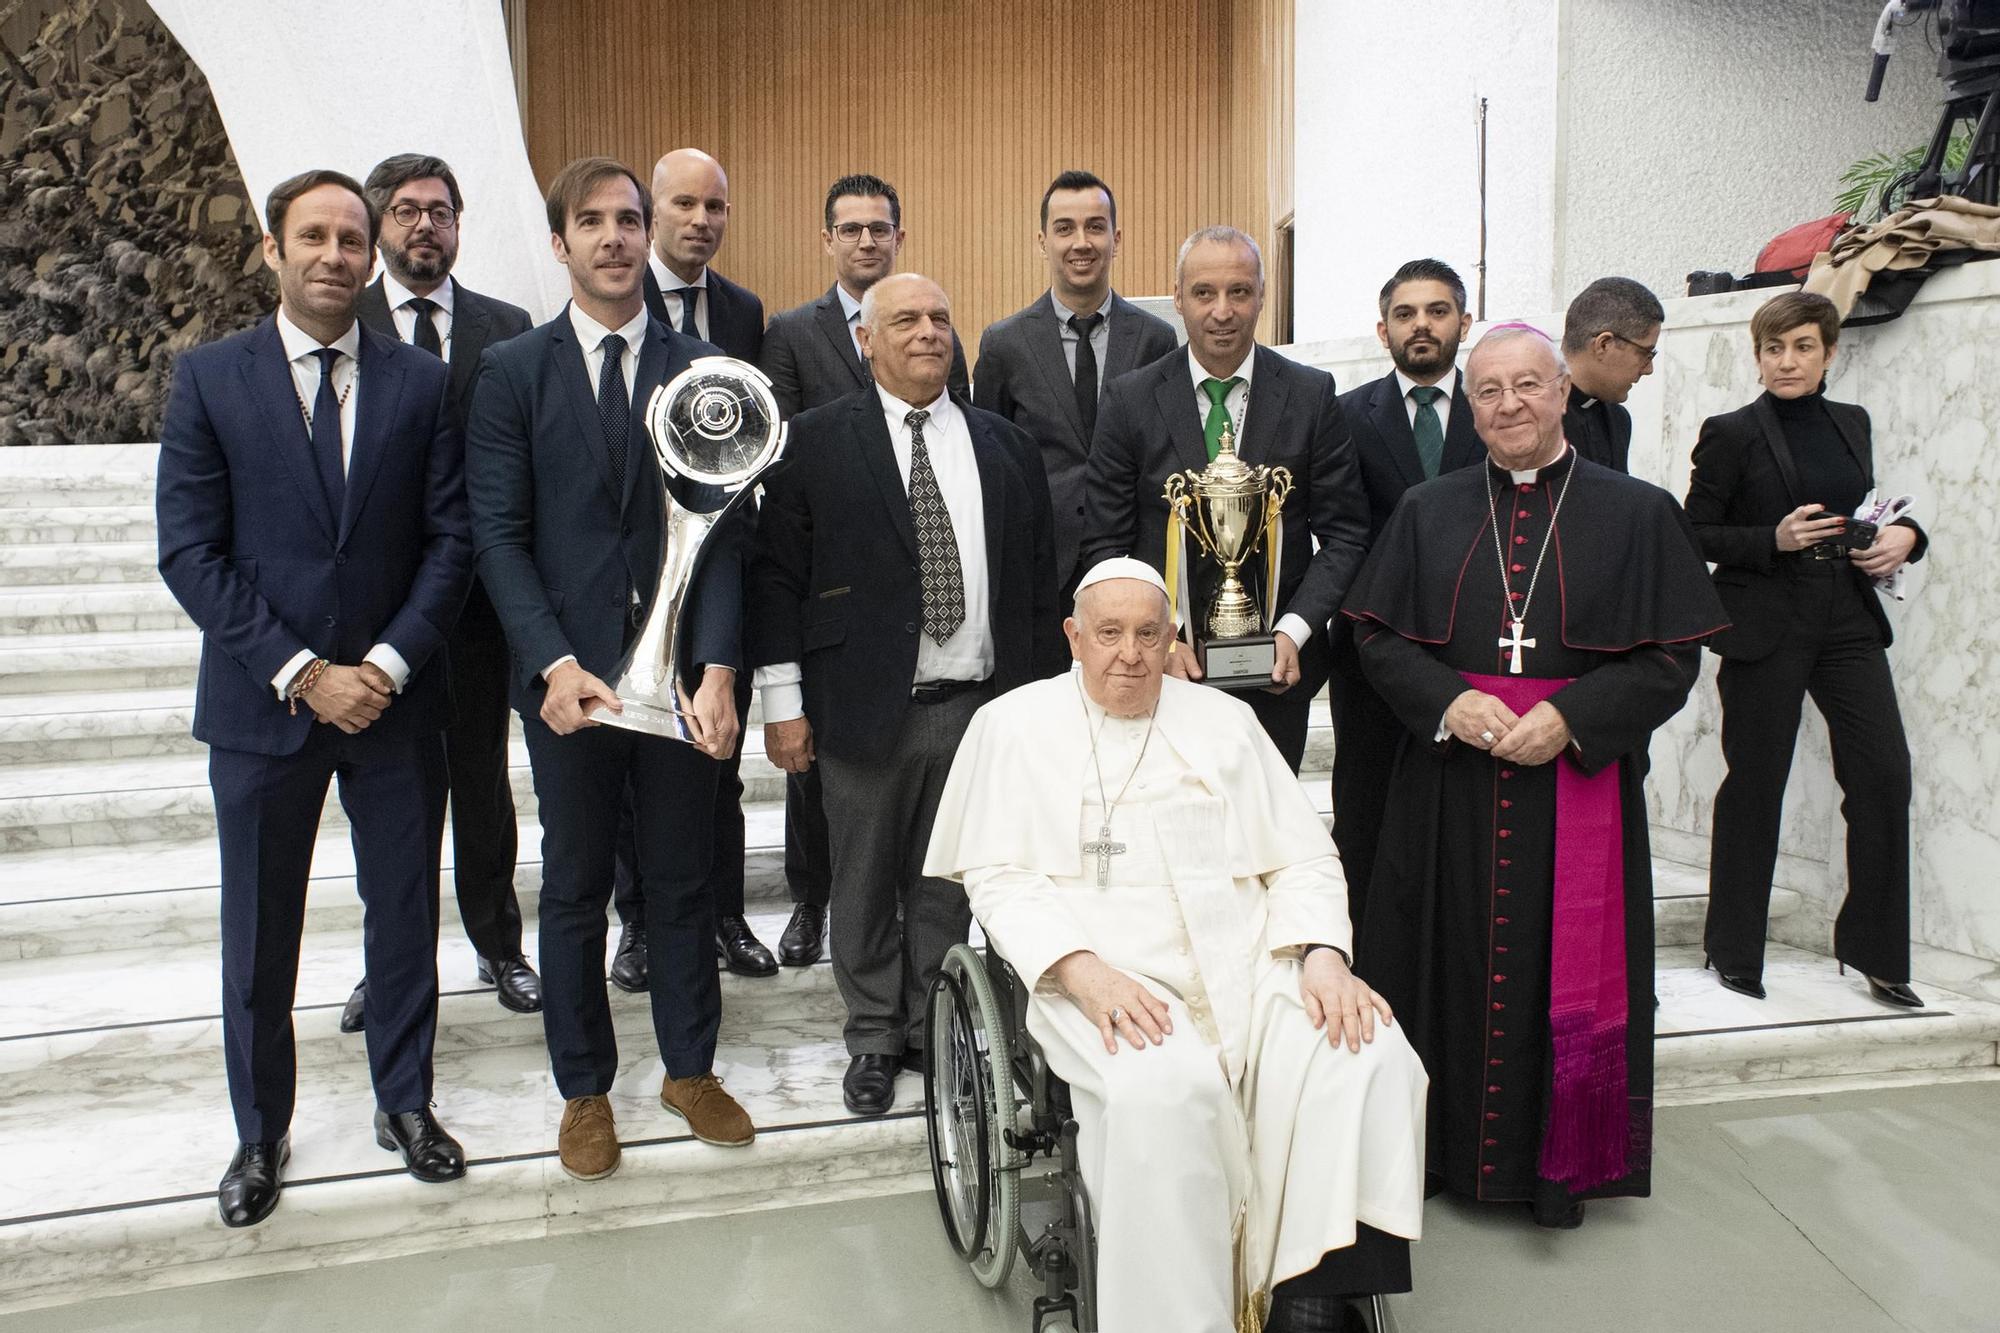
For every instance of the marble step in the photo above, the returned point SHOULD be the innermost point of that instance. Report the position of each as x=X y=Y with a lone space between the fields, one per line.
x=88 y=664
x=79 y=563
x=59 y=478
x=72 y=523
x=90 y=608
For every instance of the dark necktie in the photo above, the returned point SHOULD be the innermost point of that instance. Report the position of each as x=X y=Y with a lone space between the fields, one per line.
x=689 y=296
x=326 y=433
x=1086 y=370
x=1427 y=428
x=425 y=335
x=614 y=405
x=937 y=544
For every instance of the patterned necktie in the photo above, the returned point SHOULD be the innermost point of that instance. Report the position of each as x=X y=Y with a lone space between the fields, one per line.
x=937 y=544
x=1218 y=415
x=425 y=335
x=614 y=405
x=689 y=296
x=326 y=433
x=1427 y=428
x=1086 y=370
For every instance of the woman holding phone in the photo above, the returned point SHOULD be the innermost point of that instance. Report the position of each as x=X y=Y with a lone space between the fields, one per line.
x=1773 y=484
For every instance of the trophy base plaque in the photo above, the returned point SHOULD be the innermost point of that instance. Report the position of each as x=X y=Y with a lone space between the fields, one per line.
x=641 y=715
x=1239 y=664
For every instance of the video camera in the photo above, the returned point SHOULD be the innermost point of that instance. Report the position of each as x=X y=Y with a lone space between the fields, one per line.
x=1966 y=36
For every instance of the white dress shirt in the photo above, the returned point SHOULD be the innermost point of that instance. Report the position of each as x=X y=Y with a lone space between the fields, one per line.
x=850 y=306
x=1100 y=337
x=672 y=287
x=1237 y=404
x=968 y=653
x=302 y=351
x=1442 y=406
x=399 y=297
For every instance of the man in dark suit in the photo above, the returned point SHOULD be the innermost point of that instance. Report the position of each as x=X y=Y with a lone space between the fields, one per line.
x=1409 y=426
x=813 y=355
x=1169 y=417
x=568 y=519
x=1045 y=367
x=1611 y=334
x=312 y=523
x=905 y=575
x=417 y=301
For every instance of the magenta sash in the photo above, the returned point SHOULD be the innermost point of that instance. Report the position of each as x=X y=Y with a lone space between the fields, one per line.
x=1585 y=1142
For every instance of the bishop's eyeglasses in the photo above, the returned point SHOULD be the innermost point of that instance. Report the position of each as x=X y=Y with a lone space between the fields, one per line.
x=1490 y=394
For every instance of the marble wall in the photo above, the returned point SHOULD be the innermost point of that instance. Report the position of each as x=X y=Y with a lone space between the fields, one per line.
x=1931 y=381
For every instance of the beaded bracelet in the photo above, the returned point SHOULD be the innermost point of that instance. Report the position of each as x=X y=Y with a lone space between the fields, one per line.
x=306 y=680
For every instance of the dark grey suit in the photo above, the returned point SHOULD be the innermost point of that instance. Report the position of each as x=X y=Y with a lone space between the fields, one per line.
x=1024 y=376
x=810 y=356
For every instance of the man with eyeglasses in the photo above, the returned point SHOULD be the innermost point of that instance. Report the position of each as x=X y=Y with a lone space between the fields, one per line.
x=1530 y=622
x=417 y=301
x=813 y=355
x=1610 y=337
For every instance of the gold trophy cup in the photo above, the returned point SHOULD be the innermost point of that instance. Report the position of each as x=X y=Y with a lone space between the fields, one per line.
x=1231 y=508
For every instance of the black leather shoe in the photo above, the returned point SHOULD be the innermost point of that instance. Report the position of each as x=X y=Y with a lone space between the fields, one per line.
x=1315 y=1314
x=911 y=1061
x=514 y=982
x=803 y=940
x=628 y=965
x=870 y=1085
x=250 y=1187
x=1894 y=992
x=351 y=1017
x=1558 y=1218
x=431 y=1154
x=742 y=952
x=1742 y=985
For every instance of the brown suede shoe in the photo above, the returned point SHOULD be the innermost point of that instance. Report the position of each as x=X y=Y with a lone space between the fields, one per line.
x=587 y=1143
x=713 y=1115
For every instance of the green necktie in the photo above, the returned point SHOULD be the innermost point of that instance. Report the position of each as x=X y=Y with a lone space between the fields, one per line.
x=1218 y=415
x=1427 y=428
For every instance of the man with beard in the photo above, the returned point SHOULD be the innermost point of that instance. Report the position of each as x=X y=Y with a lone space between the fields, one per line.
x=1409 y=426
x=1043 y=368
x=417 y=301
x=1610 y=337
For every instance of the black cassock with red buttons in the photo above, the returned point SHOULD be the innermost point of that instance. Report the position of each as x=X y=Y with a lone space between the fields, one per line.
x=1458 y=932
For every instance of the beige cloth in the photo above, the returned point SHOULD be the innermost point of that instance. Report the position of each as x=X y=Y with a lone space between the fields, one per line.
x=1906 y=239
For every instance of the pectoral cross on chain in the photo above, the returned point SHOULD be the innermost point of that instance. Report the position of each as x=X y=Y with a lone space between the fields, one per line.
x=1516 y=643
x=1104 y=849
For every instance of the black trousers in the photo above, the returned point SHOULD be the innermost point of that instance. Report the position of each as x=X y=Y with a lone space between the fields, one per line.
x=1284 y=718
x=725 y=862
x=581 y=781
x=1834 y=653
x=808 y=849
x=1365 y=735
x=267 y=813
x=484 y=834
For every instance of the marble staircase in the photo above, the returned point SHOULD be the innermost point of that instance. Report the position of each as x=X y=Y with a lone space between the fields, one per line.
x=113 y=1113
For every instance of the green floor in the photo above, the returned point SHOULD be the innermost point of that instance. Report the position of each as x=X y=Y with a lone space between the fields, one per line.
x=1847 y=1213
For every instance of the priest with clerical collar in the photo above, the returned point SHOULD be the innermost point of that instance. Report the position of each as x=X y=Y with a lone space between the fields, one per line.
x=1250 y=1118
x=1532 y=622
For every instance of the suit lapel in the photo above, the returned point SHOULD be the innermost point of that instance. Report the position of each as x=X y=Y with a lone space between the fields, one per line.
x=878 y=455
x=470 y=328
x=268 y=377
x=1392 y=426
x=372 y=309
x=1122 y=355
x=1174 y=397
x=380 y=387
x=1857 y=443
x=1045 y=343
x=832 y=321
x=1462 y=447
x=575 y=376
x=992 y=500
x=1270 y=389
x=1781 y=452
x=655 y=354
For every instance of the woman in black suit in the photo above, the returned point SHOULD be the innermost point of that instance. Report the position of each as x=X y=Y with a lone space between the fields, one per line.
x=1772 y=484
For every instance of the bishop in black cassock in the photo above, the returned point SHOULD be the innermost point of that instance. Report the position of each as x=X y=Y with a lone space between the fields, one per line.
x=1531 y=621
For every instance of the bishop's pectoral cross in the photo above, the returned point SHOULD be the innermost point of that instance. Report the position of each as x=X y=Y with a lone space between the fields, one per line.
x=1516 y=643
x=1104 y=849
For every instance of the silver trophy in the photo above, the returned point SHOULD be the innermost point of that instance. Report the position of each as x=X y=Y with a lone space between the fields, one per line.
x=716 y=427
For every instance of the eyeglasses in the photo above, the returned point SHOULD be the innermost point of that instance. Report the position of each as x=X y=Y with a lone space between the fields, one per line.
x=1641 y=348
x=443 y=216
x=850 y=232
x=1522 y=389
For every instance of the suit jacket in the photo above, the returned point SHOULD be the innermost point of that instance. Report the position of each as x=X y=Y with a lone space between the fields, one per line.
x=735 y=315
x=1605 y=440
x=1023 y=376
x=477 y=322
x=1385 y=449
x=561 y=550
x=811 y=360
x=1745 y=481
x=1148 y=428
x=835 y=585
x=252 y=551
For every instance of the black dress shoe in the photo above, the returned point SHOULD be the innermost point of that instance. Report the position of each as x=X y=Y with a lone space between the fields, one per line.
x=351 y=1017
x=1894 y=992
x=1741 y=984
x=742 y=952
x=628 y=965
x=1558 y=1217
x=911 y=1061
x=802 y=942
x=250 y=1187
x=431 y=1154
x=870 y=1085
x=514 y=982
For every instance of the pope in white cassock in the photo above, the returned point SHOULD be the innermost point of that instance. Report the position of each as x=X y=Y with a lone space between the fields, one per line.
x=1251 y=1121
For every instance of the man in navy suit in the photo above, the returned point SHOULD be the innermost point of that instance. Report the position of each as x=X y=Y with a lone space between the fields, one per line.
x=1411 y=425
x=312 y=523
x=568 y=516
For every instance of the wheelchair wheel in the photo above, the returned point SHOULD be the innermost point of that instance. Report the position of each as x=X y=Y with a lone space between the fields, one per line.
x=969 y=1110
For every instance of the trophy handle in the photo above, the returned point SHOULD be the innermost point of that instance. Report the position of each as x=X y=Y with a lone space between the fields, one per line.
x=1179 y=502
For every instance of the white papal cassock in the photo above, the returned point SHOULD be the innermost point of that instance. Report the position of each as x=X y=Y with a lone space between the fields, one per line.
x=1237 y=1153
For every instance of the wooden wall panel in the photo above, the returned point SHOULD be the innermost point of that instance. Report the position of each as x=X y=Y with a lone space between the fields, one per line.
x=968 y=108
